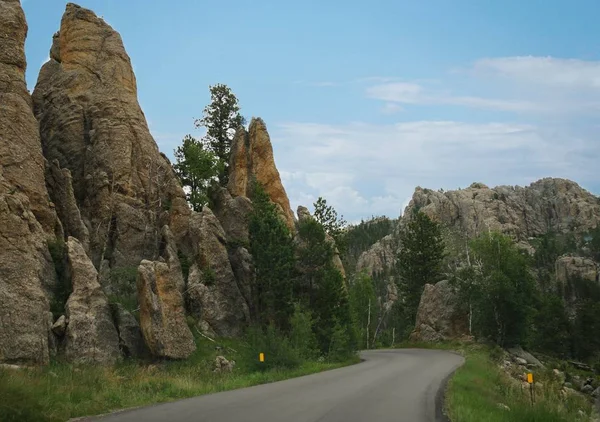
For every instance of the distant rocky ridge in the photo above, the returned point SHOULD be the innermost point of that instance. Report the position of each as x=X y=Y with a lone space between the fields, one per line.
x=87 y=175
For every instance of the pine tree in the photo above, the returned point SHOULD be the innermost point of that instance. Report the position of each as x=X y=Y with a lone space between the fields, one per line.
x=327 y=216
x=419 y=260
x=221 y=118
x=196 y=168
x=274 y=262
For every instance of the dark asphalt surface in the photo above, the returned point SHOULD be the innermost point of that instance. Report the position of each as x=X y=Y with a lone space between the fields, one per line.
x=390 y=385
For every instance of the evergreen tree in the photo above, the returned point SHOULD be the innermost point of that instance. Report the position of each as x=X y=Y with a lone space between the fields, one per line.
x=505 y=290
x=419 y=260
x=274 y=262
x=196 y=168
x=327 y=216
x=221 y=118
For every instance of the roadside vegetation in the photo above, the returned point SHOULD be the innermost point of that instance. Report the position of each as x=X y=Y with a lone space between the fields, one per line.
x=481 y=391
x=61 y=391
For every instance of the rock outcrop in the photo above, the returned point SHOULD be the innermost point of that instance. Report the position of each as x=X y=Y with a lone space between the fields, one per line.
x=27 y=218
x=233 y=214
x=548 y=204
x=91 y=124
x=380 y=258
x=90 y=335
x=439 y=316
x=252 y=159
x=568 y=268
x=162 y=314
x=213 y=295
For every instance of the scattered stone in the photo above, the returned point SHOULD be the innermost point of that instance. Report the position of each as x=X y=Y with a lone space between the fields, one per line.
x=596 y=393
x=568 y=385
x=587 y=389
x=60 y=326
x=223 y=365
x=504 y=407
x=10 y=367
x=520 y=361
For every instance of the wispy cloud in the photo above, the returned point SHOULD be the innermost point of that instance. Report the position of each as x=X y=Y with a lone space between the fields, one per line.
x=533 y=85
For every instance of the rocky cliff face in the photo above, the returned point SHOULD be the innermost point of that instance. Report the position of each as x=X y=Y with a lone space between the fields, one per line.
x=27 y=219
x=91 y=125
x=548 y=204
x=252 y=159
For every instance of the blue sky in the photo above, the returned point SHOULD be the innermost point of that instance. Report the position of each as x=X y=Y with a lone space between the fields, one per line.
x=365 y=101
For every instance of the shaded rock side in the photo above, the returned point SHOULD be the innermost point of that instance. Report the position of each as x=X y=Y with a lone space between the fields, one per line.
x=233 y=214
x=252 y=159
x=213 y=295
x=60 y=187
x=131 y=342
x=162 y=314
x=21 y=156
x=90 y=336
x=91 y=124
x=439 y=316
x=548 y=204
x=26 y=216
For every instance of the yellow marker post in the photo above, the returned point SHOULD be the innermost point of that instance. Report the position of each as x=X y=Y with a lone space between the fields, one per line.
x=261 y=357
x=531 y=387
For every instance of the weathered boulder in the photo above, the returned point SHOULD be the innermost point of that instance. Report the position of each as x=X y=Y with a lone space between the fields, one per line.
x=131 y=341
x=90 y=335
x=162 y=314
x=519 y=353
x=60 y=326
x=548 y=204
x=252 y=159
x=439 y=316
x=222 y=365
x=213 y=295
x=91 y=124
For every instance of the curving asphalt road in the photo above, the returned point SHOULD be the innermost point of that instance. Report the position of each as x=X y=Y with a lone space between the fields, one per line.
x=390 y=385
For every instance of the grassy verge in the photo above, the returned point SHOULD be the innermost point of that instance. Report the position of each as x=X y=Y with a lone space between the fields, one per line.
x=60 y=391
x=481 y=391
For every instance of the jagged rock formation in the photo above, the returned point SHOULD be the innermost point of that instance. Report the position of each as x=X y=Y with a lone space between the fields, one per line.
x=303 y=214
x=90 y=334
x=213 y=295
x=233 y=214
x=162 y=316
x=252 y=159
x=91 y=124
x=439 y=316
x=548 y=204
x=27 y=219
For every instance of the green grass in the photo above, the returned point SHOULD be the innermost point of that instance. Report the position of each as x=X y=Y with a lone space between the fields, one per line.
x=479 y=388
x=61 y=391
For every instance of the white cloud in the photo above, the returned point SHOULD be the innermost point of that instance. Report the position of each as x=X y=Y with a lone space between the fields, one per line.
x=549 y=71
x=391 y=108
x=364 y=169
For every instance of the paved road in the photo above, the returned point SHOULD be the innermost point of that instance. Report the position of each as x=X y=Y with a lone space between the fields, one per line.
x=390 y=385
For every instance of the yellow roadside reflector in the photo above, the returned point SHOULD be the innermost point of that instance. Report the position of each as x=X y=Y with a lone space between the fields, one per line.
x=261 y=357
x=530 y=378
